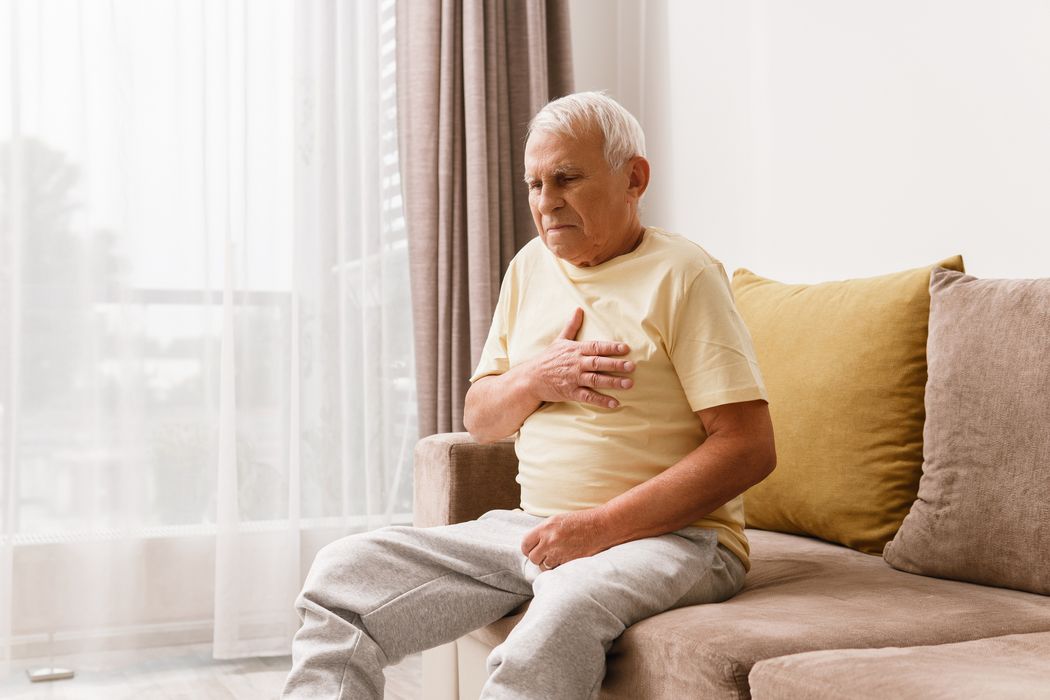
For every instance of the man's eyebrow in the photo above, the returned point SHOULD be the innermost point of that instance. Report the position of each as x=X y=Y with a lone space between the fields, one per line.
x=568 y=169
x=559 y=171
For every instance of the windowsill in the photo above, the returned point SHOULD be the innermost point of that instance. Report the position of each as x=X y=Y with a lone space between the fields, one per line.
x=350 y=523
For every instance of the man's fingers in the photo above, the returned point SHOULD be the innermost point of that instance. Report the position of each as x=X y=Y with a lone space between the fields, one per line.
x=593 y=397
x=604 y=347
x=606 y=364
x=529 y=542
x=573 y=326
x=605 y=381
x=531 y=549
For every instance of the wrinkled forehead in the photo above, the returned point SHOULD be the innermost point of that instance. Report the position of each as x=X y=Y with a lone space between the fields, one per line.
x=549 y=151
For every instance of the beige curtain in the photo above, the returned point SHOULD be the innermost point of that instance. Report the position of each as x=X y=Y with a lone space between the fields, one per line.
x=471 y=73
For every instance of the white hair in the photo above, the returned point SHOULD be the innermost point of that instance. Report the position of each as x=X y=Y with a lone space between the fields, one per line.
x=622 y=135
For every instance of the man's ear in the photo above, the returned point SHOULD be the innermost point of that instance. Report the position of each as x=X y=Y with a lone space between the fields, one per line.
x=637 y=176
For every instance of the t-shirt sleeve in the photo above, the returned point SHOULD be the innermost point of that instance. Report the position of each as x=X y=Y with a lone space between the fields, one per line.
x=710 y=346
x=495 y=357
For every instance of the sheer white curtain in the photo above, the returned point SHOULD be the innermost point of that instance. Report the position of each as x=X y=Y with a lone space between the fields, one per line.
x=205 y=330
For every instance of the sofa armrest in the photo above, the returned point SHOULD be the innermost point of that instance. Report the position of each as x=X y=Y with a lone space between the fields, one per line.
x=457 y=479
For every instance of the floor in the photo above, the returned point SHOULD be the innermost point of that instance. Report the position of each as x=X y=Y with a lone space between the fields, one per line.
x=177 y=673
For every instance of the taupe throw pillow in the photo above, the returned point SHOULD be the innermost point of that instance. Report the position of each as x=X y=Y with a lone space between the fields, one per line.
x=983 y=510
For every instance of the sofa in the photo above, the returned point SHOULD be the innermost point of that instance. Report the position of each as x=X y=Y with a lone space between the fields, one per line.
x=899 y=549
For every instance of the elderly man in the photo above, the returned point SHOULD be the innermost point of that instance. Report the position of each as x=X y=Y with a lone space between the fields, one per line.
x=617 y=356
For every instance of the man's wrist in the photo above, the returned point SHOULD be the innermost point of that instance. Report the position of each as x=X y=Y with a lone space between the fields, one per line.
x=526 y=383
x=606 y=525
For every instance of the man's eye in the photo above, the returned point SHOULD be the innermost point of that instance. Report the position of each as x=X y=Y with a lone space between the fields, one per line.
x=534 y=185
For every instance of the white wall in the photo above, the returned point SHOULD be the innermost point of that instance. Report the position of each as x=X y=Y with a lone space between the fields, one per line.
x=820 y=139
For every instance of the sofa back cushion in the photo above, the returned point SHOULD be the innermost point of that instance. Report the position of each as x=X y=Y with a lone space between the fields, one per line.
x=845 y=368
x=983 y=512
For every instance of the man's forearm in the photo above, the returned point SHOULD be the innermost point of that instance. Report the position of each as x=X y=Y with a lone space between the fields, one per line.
x=498 y=404
x=699 y=483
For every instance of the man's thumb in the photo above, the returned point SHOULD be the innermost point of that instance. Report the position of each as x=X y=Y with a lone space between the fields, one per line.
x=573 y=327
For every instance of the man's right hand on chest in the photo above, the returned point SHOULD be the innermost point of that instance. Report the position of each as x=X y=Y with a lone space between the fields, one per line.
x=567 y=370
x=571 y=370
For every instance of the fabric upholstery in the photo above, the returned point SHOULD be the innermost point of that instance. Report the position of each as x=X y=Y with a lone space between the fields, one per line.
x=845 y=368
x=983 y=511
x=801 y=595
x=456 y=479
x=1014 y=667
x=470 y=76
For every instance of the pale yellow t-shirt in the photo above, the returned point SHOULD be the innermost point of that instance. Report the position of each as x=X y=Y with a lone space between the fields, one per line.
x=672 y=304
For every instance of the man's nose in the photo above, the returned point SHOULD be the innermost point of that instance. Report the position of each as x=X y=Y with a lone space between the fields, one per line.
x=549 y=200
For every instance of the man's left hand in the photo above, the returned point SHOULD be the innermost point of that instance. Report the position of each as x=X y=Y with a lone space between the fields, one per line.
x=564 y=537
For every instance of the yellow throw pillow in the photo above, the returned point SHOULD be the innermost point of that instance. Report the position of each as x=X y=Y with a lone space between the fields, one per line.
x=845 y=368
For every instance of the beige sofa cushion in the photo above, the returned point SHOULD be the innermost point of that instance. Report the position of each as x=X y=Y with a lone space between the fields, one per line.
x=801 y=595
x=845 y=367
x=1015 y=667
x=983 y=511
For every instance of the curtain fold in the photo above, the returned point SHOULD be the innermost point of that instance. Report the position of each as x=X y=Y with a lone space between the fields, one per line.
x=471 y=73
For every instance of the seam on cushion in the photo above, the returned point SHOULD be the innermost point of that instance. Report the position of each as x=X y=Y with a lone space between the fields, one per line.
x=449 y=461
x=739 y=674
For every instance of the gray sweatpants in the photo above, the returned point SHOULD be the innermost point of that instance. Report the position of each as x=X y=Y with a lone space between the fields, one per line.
x=372 y=599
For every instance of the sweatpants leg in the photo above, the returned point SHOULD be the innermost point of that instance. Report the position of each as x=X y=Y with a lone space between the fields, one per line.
x=558 y=648
x=371 y=599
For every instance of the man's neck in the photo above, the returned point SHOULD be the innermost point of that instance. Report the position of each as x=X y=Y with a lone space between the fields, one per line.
x=630 y=243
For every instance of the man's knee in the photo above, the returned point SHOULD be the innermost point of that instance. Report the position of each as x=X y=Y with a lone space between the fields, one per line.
x=340 y=563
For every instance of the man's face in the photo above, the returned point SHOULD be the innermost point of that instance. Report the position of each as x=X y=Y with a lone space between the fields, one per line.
x=584 y=212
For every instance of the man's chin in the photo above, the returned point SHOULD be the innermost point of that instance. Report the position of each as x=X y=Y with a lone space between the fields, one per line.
x=564 y=245
x=575 y=261
x=565 y=253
